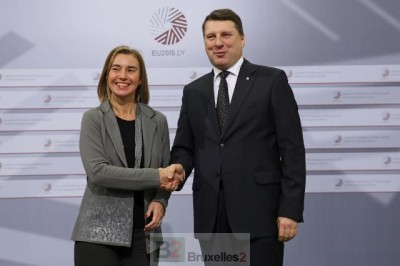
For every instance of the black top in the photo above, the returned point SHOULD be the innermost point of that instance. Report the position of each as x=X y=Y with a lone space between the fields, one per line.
x=127 y=129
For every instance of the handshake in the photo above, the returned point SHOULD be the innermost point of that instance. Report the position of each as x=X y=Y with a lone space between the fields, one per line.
x=171 y=177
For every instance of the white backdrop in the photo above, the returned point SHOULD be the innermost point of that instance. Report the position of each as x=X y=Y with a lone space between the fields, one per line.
x=350 y=116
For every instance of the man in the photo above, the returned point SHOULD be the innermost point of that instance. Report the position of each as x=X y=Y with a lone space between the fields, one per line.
x=249 y=164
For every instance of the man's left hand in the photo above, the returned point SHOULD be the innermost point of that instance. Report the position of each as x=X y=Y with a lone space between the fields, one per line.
x=287 y=229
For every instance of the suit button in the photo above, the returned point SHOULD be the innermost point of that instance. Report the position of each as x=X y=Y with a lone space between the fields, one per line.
x=221 y=145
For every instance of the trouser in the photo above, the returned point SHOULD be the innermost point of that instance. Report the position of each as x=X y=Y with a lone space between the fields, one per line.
x=263 y=251
x=92 y=254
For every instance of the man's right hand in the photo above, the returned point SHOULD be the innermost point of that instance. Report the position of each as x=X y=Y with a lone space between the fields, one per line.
x=171 y=177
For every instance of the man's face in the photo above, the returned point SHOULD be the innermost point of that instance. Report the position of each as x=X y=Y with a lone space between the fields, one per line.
x=223 y=43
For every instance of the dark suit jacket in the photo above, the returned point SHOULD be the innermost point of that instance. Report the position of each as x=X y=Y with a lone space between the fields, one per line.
x=260 y=157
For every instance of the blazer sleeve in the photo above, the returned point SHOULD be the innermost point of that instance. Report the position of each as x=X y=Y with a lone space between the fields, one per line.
x=101 y=163
x=163 y=196
x=291 y=147
x=182 y=149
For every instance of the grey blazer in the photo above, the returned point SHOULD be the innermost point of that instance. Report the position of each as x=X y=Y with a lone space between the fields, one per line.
x=106 y=212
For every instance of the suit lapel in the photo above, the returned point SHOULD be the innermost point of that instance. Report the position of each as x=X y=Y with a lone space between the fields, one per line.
x=112 y=129
x=210 y=101
x=242 y=88
x=149 y=129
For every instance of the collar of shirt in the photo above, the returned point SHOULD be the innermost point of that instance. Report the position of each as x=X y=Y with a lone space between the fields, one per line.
x=231 y=79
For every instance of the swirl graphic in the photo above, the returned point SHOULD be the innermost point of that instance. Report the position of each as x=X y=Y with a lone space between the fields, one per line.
x=385 y=72
x=47 y=143
x=337 y=139
x=339 y=182
x=48 y=187
x=169 y=25
x=385 y=116
x=47 y=98
x=387 y=160
x=337 y=95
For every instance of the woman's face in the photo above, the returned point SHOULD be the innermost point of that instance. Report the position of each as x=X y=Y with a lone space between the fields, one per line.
x=124 y=76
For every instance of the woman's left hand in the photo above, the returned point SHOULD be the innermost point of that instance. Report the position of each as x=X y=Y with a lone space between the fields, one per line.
x=154 y=215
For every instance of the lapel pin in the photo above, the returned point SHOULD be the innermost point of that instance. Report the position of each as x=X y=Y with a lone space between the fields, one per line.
x=247 y=78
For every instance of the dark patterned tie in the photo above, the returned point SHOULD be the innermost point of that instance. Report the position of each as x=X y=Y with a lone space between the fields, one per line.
x=222 y=101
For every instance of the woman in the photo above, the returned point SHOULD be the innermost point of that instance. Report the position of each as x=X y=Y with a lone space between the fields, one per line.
x=123 y=145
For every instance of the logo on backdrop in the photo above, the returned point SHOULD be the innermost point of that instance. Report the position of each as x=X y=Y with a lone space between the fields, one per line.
x=339 y=182
x=96 y=76
x=385 y=72
x=337 y=95
x=387 y=160
x=337 y=139
x=47 y=187
x=47 y=98
x=289 y=73
x=47 y=143
x=386 y=116
x=168 y=26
